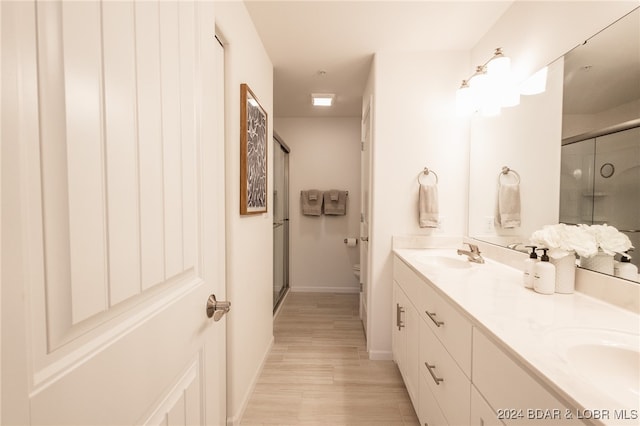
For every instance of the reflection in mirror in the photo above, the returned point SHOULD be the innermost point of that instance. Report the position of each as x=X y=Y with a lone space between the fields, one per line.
x=528 y=138
x=600 y=175
x=600 y=183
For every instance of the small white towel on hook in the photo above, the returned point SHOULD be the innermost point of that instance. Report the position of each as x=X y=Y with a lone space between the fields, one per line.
x=428 y=205
x=508 y=206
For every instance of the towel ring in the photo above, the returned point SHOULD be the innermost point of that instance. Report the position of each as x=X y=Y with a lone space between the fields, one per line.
x=505 y=171
x=426 y=172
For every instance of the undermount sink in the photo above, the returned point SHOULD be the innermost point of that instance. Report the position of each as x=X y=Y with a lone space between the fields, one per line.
x=607 y=359
x=443 y=262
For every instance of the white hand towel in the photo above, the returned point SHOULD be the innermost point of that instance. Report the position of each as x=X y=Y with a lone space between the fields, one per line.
x=508 y=211
x=428 y=205
x=309 y=206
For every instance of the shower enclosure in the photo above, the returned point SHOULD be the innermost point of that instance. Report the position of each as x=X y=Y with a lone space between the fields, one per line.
x=600 y=183
x=280 y=220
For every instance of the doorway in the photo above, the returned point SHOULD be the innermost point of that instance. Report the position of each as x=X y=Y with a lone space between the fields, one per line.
x=280 y=220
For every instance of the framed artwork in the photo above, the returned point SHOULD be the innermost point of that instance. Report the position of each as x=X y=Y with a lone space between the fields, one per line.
x=253 y=154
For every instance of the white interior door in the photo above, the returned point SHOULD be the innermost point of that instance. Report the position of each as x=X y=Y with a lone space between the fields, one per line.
x=113 y=233
x=365 y=209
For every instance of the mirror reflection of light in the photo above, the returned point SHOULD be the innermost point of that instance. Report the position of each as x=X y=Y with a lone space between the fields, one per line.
x=535 y=84
x=577 y=174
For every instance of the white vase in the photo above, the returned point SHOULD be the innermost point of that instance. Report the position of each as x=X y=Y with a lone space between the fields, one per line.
x=565 y=273
x=601 y=262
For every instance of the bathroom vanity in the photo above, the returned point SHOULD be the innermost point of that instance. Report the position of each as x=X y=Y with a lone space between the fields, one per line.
x=475 y=347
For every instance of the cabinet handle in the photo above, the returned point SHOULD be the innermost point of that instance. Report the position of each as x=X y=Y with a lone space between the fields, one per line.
x=399 y=312
x=435 y=378
x=432 y=317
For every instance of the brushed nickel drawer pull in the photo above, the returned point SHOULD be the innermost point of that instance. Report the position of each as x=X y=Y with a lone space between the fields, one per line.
x=435 y=378
x=399 y=312
x=432 y=316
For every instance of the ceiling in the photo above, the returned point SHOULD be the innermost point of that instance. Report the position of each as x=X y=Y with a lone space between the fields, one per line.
x=327 y=46
x=604 y=72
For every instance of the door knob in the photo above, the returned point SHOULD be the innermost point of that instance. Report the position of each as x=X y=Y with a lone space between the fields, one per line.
x=217 y=309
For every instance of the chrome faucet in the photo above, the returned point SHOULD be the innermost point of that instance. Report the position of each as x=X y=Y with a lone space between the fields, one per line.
x=473 y=254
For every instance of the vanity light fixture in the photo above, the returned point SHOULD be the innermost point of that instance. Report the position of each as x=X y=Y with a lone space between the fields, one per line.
x=322 y=99
x=490 y=88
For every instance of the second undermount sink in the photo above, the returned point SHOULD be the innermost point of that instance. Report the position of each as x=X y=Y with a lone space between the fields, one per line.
x=607 y=359
x=443 y=262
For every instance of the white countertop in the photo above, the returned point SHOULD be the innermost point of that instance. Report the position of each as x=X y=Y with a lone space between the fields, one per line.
x=532 y=327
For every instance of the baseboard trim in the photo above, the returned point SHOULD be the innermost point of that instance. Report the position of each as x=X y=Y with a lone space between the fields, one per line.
x=325 y=289
x=237 y=418
x=380 y=355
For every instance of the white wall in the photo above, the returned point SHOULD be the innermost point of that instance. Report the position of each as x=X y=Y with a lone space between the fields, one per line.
x=325 y=154
x=249 y=238
x=415 y=126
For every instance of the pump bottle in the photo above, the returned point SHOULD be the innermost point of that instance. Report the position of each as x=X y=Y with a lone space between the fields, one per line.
x=544 y=275
x=529 y=264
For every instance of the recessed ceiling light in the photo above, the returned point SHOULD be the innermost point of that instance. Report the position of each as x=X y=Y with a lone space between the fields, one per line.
x=322 y=99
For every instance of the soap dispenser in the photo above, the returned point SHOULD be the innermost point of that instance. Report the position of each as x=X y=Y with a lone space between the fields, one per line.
x=529 y=264
x=544 y=275
x=625 y=269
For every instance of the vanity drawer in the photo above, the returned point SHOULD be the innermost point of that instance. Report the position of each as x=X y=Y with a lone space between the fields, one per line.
x=410 y=282
x=510 y=390
x=446 y=322
x=448 y=325
x=430 y=413
x=452 y=392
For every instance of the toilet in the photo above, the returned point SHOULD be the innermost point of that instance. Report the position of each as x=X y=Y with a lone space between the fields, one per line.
x=356 y=270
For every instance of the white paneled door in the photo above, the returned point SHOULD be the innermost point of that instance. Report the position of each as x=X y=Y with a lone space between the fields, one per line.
x=112 y=220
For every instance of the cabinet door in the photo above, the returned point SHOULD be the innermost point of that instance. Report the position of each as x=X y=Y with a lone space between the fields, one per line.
x=512 y=390
x=430 y=413
x=398 y=336
x=481 y=413
x=406 y=340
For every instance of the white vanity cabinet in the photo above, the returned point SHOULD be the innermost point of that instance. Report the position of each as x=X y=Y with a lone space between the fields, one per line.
x=455 y=374
x=441 y=355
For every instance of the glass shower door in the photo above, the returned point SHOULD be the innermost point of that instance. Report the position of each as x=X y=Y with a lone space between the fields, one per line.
x=280 y=220
x=617 y=184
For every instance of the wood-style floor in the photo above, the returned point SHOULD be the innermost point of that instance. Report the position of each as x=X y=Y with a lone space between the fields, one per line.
x=318 y=372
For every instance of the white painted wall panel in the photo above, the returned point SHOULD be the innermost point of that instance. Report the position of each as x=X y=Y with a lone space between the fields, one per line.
x=176 y=416
x=193 y=403
x=171 y=137
x=85 y=157
x=54 y=170
x=187 y=110
x=150 y=143
x=121 y=149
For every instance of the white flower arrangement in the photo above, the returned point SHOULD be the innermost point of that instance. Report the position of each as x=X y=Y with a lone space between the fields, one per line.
x=584 y=240
x=608 y=238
